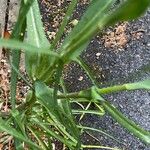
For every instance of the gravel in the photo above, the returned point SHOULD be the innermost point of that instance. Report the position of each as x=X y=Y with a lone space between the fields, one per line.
x=114 y=67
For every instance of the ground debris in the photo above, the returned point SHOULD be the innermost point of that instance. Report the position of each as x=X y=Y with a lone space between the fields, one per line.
x=117 y=38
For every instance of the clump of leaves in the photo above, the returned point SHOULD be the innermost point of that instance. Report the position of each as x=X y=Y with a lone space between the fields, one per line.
x=46 y=115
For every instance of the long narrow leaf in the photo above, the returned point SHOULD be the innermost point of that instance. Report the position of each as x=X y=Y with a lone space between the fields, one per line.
x=43 y=145
x=35 y=31
x=87 y=71
x=18 y=46
x=37 y=63
x=16 y=134
x=96 y=18
x=18 y=33
x=129 y=10
x=91 y=22
x=53 y=134
x=145 y=84
x=139 y=85
x=24 y=8
x=98 y=147
x=127 y=123
x=99 y=131
x=45 y=97
x=64 y=23
x=80 y=111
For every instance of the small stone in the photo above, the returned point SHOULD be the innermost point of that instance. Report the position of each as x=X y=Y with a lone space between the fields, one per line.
x=98 y=54
x=74 y=22
x=80 y=78
x=148 y=44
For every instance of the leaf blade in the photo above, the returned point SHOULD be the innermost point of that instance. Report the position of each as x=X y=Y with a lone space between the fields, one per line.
x=127 y=123
x=16 y=134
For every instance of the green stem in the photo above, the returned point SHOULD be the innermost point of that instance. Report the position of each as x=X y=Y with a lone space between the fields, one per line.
x=99 y=131
x=87 y=93
x=116 y=88
x=87 y=70
x=98 y=146
x=17 y=32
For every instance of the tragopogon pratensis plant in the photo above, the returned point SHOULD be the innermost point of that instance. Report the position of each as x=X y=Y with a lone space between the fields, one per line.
x=47 y=115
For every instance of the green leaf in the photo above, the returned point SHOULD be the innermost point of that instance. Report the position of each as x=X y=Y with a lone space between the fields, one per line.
x=45 y=97
x=17 y=33
x=37 y=136
x=35 y=30
x=91 y=22
x=37 y=63
x=99 y=131
x=128 y=10
x=24 y=8
x=94 y=112
x=51 y=133
x=127 y=123
x=64 y=22
x=6 y=128
x=145 y=85
x=95 y=19
x=98 y=147
x=87 y=71
x=16 y=45
x=139 y=85
x=65 y=103
x=19 y=119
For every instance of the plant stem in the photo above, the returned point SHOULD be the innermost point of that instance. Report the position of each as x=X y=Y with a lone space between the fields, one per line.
x=86 y=93
x=87 y=70
x=98 y=146
x=112 y=89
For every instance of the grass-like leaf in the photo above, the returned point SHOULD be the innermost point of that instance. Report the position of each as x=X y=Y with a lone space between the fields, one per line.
x=94 y=112
x=87 y=71
x=35 y=31
x=128 y=10
x=18 y=33
x=127 y=123
x=98 y=147
x=64 y=23
x=16 y=134
x=96 y=19
x=18 y=46
x=45 y=97
x=145 y=84
x=91 y=22
x=139 y=85
x=99 y=131
x=37 y=136
x=53 y=134
x=37 y=63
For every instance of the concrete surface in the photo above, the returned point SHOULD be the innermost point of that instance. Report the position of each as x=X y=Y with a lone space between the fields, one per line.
x=2 y=18
x=3 y=4
x=13 y=13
